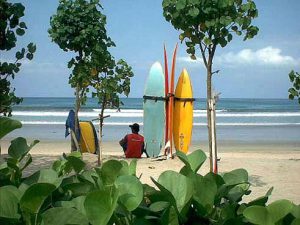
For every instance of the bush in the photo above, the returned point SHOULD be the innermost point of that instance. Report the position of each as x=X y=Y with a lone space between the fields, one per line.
x=67 y=193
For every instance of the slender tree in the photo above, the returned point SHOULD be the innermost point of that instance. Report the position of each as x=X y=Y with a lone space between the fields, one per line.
x=206 y=25
x=294 y=92
x=11 y=27
x=109 y=80
x=79 y=26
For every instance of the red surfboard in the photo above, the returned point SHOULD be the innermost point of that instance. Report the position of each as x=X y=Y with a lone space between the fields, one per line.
x=171 y=100
x=166 y=95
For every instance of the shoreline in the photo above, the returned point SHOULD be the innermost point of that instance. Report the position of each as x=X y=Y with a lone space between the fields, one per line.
x=57 y=147
x=269 y=165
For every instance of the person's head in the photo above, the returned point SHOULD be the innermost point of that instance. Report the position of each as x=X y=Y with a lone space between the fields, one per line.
x=135 y=128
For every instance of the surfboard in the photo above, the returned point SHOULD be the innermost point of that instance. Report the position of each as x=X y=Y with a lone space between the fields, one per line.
x=166 y=95
x=88 y=137
x=183 y=113
x=171 y=100
x=154 y=110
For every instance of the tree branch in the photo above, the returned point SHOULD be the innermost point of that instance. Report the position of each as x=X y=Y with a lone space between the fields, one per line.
x=203 y=54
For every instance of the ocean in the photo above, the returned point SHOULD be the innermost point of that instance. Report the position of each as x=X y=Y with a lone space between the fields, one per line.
x=238 y=120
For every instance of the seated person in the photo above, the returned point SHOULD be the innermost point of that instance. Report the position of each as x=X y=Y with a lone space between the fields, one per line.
x=133 y=144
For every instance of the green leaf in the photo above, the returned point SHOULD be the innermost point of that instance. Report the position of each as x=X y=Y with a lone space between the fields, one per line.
x=29 y=56
x=194 y=160
x=279 y=209
x=258 y=215
x=180 y=4
x=20 y=31
x=23 y=25
x=130 y=191
x=179 y=186
x=19 y=148
x=31 y=47
x=205 y=190
x=292 y=75
x=170 y=216
x=34 y=197
x=293 y=92
x=235 y=177
x=9 y=203
x=193 y=12
x=42 y=176
x=132 y=167
x=76 y=163
x=62 y=216
x=296 y=211
x=207 y=41
x=8 y=125
x=296 y=222
x=159 y=206
x=110 y=171
x=100 y=205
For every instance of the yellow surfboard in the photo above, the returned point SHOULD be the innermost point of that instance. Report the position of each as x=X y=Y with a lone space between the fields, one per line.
x=87 y=137
x=183 y=113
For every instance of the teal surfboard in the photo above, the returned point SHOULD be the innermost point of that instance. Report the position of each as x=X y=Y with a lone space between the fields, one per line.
x=154 y=110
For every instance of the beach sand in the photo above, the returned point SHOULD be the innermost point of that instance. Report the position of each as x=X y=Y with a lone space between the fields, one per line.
x=268 y=165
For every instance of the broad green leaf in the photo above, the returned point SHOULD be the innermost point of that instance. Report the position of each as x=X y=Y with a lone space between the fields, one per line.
x=296 y=211
x=170 y=217
x=196 y=159
x=261 y=200
x=205 y=191
x=237 y=192
x=8 y=125
x=41 y=176
x=125 y=168
x=35 y=195
x=180 y=4
x=19 y=148
x=296 y=221
x=132 y=167
x=76 y=163
x=180 y=186
x=78 y=189
x=8 y=203
x=258 y=215
x=279 y=209
x=130 y=191
x=237 y=176
x=159 y=206
x=110 y=171
x=194 y=12
x=100 y=205
x=62 y=216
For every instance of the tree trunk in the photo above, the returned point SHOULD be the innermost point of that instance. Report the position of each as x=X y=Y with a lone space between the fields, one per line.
x=101 y=119
x=209 y=109
x=77 y=107
x=215 y=158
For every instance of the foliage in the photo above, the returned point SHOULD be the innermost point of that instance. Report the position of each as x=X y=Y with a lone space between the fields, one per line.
x=11 y=26
x=207 y=24
x=294 y=91
x=68 y=193
x=79 y=26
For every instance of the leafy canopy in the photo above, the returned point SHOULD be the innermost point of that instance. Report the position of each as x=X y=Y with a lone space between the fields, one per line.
x=294 y=91
x=210 y=23
x=11 y=26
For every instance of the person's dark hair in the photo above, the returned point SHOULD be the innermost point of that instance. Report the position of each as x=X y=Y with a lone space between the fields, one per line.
x=135 y=127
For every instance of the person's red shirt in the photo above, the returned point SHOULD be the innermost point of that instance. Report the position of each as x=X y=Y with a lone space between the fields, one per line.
x=135 y=145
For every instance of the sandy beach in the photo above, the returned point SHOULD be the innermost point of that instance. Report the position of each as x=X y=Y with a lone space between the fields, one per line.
x=268 y=165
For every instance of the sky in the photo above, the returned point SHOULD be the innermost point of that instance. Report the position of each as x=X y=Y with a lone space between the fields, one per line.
x=256 y=68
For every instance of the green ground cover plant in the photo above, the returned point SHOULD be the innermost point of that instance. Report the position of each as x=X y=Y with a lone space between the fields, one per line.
x=69 y=193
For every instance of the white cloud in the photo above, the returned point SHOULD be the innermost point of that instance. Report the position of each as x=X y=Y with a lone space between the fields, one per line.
x=268 y=56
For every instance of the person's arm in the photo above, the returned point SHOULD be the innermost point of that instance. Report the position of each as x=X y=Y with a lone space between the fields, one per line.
x=123 y=143
x=144 y=150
